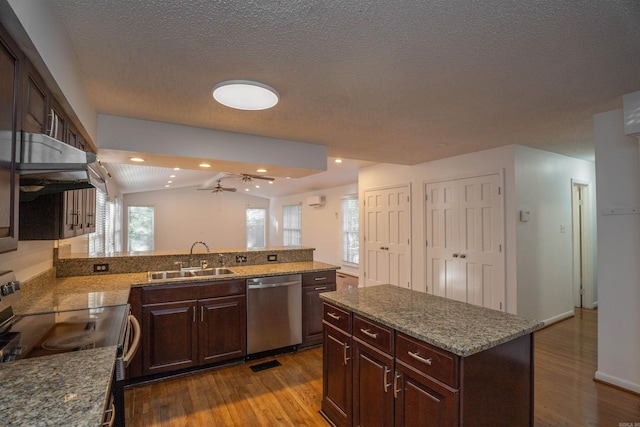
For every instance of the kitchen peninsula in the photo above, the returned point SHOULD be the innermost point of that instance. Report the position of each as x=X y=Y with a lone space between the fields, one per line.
x=409 y=358
x=77 y=383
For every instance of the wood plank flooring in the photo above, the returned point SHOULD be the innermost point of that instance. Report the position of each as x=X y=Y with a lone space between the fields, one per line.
x=289 y=395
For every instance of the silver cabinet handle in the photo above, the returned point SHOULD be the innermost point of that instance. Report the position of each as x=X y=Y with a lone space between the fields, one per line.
x=420 y=359
x=346 y=359
x=135 y=325
x=317 y=279
x=369 y=334
x=395 y=386
x=387 y=384
x=333 y=316
x=320 y=288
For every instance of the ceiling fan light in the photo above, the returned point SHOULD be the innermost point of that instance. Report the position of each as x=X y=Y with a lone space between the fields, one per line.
x=245 y=95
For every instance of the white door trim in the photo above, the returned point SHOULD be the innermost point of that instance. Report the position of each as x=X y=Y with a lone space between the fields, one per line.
x=581 y=231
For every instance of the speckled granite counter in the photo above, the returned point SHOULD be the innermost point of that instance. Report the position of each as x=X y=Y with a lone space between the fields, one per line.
x=460 y=328
x=67 y=389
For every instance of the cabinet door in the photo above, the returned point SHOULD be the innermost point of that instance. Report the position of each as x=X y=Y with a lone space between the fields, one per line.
x=169 y=336
x=71 y=213
x=89 y=210
x=312 y=313
x=337 y=376
x=36 y=100
x=373 y=402
x=423 y=402
x=222 y=329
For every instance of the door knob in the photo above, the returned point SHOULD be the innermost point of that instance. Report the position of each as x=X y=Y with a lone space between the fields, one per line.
x=455 y=255
x=463 y=256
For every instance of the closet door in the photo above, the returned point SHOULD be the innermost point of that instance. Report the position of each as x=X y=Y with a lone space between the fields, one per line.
x=387 y=236
x=465 y=229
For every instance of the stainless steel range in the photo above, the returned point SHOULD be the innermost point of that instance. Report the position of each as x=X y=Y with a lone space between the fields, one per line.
x=44 y=334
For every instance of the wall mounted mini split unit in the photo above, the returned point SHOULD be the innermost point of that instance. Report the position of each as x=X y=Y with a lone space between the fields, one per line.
x=315 y=201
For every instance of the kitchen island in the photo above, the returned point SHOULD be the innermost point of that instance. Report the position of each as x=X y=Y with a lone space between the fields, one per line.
x=395 y=356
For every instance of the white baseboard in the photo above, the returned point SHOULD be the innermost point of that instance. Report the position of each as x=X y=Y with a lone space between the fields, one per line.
x=558 y=318
x=618 y=382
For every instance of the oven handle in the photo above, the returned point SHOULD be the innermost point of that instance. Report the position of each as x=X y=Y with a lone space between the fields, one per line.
x=135 y=325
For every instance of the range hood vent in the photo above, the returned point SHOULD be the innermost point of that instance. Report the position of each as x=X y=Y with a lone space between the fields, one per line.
x=46 y=166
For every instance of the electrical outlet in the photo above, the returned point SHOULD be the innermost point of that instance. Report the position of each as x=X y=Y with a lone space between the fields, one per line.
x=100 y=268
x=241 y=258
x=272 y=258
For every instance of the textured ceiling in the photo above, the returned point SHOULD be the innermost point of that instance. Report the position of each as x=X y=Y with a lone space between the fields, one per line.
x=396 y=82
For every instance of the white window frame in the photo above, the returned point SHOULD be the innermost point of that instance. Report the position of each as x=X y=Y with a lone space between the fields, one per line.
x=350 y=217
x=251 y=244
x=292 y=225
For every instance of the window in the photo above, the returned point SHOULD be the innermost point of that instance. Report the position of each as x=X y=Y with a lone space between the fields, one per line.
x=140 y=233
x=350 y=231
x=291 y=225
x=107 y=239
x=256 y=221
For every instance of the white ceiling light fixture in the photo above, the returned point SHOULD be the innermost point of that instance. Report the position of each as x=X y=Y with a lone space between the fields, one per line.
x=245 y=95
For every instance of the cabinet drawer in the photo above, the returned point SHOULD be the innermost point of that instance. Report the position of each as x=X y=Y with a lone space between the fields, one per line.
x=177 y=292
x=373 y=334
x=319 y=278
x=428 y=359
x=337 y=317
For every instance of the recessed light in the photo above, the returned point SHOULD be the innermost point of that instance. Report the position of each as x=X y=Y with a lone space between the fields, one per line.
x=288 y=177
x=167 y=186
x=169 y=182
x=257 y=186
x=204 y=165
x=172 y=176
x=261 y=170
x=176 y=169
x=136 y=159
x=270 y=182
x=245 y=95
x=246 y=189
x=338 y=160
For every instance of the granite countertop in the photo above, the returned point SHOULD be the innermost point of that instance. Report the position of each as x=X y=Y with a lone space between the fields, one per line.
x=68 y=389
x=459 y=328
x=72 y=388
x=80 y=292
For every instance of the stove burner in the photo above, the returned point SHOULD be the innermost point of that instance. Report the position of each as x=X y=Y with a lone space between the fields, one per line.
x=72 y=340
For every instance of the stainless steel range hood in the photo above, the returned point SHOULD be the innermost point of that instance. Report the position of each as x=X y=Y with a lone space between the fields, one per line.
x=46 y=166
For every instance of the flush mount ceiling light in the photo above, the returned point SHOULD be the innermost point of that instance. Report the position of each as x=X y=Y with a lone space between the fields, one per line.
x=136 y=159
x=245 y=95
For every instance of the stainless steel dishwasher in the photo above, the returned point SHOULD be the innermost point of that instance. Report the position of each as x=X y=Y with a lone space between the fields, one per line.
x=274 y=312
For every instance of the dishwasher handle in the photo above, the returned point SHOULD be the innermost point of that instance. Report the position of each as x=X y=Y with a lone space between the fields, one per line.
x=259 y=285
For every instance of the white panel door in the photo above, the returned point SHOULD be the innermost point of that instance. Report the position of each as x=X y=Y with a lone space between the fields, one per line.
x=443 y=237
x=388 y=237
x=465 y=229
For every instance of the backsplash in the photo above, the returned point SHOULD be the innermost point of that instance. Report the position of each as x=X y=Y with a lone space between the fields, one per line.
x=67 y=266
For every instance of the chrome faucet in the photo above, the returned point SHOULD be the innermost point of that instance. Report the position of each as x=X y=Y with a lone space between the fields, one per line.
x=191 y=253
x=222 y=259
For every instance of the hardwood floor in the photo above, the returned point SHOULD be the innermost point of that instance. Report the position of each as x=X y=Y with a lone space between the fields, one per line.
x=289 y=395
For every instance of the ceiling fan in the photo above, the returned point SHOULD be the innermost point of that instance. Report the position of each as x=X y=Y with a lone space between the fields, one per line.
x=219 y=188
x=247 y=178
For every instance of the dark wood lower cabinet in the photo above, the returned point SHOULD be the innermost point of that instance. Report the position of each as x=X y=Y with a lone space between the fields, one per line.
x=423 y=402
x=169 y=337
x=189 y=325
x=337 y=376
x=373 y=400
x=314 y=284
x=222 y=329
x=397 y=380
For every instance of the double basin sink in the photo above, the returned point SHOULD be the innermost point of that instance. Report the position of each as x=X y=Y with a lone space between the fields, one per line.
x=187 y=273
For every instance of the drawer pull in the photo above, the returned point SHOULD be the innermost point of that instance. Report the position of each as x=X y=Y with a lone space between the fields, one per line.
x=317 y=279
x=395 y=386
x=194 y=314
x=333 y=316
x=369 y=334
x=421 y=359
x=387 y=384
x=320 y=288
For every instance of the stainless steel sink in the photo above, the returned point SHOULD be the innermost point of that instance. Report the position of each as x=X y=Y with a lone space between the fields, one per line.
x=186 y=273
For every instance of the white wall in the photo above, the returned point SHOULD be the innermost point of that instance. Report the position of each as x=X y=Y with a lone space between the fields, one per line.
x=618 y=173
x=538 y=280
x=544 y=259
x=31 y=258
x=321 y=226
x=185 y=215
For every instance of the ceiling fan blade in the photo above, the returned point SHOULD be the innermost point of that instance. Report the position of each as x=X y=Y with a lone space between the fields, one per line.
x=233 y=190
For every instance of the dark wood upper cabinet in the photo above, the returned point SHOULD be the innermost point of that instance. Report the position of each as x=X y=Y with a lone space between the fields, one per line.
x=11 y=61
